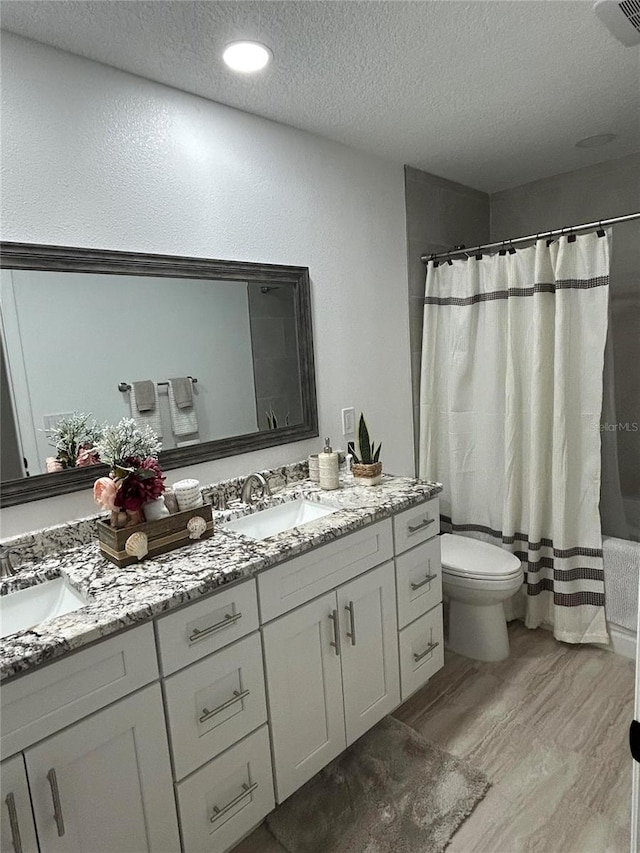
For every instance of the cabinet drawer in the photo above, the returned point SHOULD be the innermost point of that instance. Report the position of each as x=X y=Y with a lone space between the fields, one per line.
x=297 y=581
x=421 y=651
x=215 y=702
x=49 y=699
x=227 y=797
x=203 y=627
x=418 y=580
x=416 y=525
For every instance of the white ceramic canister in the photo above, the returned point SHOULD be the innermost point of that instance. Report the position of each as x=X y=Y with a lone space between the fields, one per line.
x=314 y=468
x=188 y=494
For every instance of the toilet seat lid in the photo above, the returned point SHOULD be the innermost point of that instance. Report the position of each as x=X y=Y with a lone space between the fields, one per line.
x=471 y=557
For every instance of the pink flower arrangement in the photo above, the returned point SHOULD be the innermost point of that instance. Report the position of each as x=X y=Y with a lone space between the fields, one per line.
x=87 y=455
x=143 y=483
x=136 y=477
x=104 y=493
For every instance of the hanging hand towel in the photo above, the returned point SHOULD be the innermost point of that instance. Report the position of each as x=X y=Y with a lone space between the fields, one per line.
x=182 y=391
x=146 y=418
x=184 y=421
x=145 y=394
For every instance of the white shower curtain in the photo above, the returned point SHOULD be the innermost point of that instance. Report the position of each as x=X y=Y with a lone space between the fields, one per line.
x=510 y=403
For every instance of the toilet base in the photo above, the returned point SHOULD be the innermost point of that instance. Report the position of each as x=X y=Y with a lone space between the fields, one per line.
x=477 y=631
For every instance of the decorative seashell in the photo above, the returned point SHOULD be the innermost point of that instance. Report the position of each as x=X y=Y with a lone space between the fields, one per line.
x=137 y=545
x=196 y=527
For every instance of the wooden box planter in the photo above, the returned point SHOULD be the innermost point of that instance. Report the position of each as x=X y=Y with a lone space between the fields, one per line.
x=164 y=535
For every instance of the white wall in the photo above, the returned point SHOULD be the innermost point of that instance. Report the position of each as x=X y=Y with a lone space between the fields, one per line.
x=95 y=157
x=175 y=327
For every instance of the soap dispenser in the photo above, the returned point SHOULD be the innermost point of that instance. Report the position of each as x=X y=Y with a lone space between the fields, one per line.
x=329 y=468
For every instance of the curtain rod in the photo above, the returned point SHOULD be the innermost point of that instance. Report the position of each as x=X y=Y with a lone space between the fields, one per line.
x=558 y=232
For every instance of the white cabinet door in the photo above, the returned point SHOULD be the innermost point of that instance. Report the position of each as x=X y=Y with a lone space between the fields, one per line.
x=370 y=676
x=17 y=829
x=304 y=683
x=104 y=784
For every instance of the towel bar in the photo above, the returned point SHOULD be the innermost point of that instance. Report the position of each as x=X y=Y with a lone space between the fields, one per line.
x=125 y=386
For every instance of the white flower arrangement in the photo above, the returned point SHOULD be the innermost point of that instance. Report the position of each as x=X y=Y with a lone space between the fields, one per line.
x=126 y=439
x=74 y=437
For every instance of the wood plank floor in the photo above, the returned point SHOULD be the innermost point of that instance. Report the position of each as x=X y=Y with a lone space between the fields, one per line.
x=549 y=728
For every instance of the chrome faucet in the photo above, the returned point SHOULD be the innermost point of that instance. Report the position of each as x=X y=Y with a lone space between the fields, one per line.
x=6 y=566
x=247 y=487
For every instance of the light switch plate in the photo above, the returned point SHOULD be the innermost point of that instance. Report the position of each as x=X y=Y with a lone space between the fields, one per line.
x=50 y=421
x=348 y=421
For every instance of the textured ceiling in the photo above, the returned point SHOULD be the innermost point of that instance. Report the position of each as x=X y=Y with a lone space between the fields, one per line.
x=491 y=94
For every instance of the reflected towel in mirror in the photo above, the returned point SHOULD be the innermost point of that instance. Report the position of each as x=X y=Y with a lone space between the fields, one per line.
x=184 y=421
x=149 y=418
x=182 y=391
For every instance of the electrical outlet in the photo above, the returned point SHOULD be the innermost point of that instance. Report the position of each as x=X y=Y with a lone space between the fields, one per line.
x=348 y=421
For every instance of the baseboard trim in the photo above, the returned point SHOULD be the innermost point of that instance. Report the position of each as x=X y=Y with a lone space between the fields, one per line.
x=623 y=641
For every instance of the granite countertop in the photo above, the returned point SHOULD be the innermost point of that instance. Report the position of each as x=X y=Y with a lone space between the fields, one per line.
x=123 y=597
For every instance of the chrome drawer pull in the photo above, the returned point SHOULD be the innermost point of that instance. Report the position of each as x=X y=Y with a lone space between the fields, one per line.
x=229 y=619
x=57 y=806
x=412 y=528
x=13 y=823
x=336 y=631
x=427 y=580
x=237 y=697
x=246 y=790
x=418 y=656
x=352 y=615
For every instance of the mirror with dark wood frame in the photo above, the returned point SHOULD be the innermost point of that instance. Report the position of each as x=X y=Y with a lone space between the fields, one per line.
x=81 y=327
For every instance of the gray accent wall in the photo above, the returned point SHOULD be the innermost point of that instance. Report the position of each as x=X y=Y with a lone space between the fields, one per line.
x=440 y=214
x=275 y=355
x=586 y=195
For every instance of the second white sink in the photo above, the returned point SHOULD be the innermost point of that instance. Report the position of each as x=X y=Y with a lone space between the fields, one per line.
x=28 y=607
x=276 y=519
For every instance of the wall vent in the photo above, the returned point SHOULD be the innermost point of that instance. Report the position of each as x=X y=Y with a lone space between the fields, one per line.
x=622 y=19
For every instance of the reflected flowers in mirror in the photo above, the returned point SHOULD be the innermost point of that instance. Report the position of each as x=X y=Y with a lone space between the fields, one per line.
x=74 y=437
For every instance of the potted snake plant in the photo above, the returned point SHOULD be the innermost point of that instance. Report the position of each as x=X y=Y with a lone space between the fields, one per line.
x=366 y=468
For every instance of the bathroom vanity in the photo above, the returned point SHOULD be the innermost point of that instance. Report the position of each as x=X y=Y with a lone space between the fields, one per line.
x=198 y=690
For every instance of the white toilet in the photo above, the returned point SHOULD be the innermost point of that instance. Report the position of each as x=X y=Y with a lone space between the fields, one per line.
x=476 y=579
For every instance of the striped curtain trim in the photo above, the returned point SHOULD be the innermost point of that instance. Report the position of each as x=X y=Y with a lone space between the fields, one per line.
x=577 y=573
x=564 y=599
x=542 y=287
x=560 y=553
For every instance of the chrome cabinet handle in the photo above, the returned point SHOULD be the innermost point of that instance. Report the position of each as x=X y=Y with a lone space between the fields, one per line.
x=200 y=634
x=237 y=697
x=418 y=656
x=57 y=806
x=13 y=823
x=246 y=790
x=336 y=631
x=412 y=528
x=352 y=618
x=428 y=579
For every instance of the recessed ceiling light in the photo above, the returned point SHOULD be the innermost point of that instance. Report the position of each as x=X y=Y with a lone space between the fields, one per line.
x=596 y=141
x=246 y=56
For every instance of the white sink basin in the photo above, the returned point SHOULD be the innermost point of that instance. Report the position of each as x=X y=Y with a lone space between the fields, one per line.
x=28 y=607
x=276 y=519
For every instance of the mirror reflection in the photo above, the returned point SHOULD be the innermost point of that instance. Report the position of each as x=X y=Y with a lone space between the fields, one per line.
x=199 y=359
x=215 y=355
